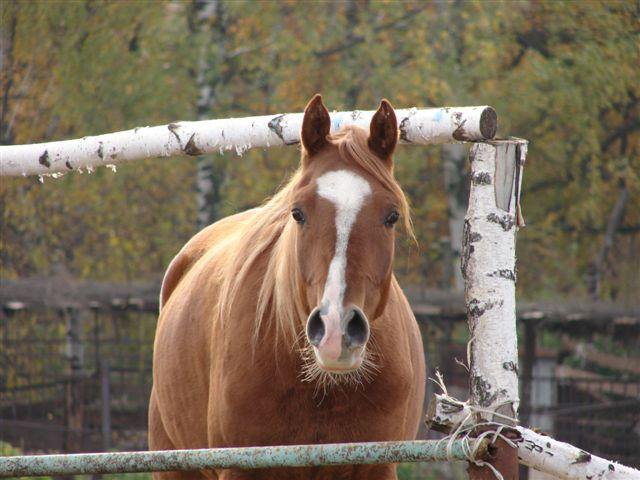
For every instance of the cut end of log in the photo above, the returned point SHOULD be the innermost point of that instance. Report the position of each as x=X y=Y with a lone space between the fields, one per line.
x=488 y=123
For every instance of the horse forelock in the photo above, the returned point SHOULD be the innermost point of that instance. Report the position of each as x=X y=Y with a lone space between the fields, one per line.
x=281 y=302
x=352 y=144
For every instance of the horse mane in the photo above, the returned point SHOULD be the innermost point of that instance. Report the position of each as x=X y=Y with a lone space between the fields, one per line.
x=270 y=233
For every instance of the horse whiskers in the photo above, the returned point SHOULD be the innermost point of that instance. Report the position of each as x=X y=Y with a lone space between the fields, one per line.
x=312 y=373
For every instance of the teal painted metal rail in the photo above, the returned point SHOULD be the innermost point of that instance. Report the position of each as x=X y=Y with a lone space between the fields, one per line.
x=250 y=457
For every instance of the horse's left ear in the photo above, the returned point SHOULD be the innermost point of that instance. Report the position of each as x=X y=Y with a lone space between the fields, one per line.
x=316 y=124
x=383 y=131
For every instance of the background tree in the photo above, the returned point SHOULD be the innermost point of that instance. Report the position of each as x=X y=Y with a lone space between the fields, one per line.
x=563 y=75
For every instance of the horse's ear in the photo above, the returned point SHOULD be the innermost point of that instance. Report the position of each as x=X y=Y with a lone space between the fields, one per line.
x=315 y=125
x=383 y=131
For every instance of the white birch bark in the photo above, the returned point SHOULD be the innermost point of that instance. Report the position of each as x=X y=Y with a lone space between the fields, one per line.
x=206 y=189
x=417 y=126
x=488 y=266
x=537 y=451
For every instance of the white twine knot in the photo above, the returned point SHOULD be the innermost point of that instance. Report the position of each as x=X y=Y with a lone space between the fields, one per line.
x=464 y=428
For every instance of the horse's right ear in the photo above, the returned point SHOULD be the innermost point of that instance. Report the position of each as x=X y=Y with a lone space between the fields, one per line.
x=316 y=125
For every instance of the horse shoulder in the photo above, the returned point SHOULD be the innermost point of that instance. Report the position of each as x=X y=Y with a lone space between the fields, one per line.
x=412 y=357
x=194 y=250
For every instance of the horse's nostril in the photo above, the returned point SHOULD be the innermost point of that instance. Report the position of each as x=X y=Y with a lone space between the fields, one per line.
x=315 y=328
x=357 y=331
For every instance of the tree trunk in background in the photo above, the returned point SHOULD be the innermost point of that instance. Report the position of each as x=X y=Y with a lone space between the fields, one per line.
x=74 y=412
x=209 y=31
x=7 y=37
x=454 y=156
x=615 y=219
x=353 y=91
x=456 y=183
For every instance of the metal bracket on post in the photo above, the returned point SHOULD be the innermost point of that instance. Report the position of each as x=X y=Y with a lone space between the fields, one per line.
x=488 y=267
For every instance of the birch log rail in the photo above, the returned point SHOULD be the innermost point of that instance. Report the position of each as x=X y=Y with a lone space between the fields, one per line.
x=535 y=450
x=417 y=126
x=488 y=268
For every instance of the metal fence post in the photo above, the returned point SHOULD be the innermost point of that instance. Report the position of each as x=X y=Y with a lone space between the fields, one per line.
x=105 y=417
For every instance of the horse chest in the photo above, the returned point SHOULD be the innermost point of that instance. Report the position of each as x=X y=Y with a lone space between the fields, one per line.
x=279 y=412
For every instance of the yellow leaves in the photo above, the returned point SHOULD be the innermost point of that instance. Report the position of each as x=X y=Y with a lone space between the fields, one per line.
x=558 y=73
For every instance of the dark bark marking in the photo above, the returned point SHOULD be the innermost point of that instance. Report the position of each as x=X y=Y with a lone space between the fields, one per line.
x=510 y=366
x=113 y=156
x=100 y=151
x=583 y=457
x=476 y=308
x=403 y=129
x=191 y=148
x=472 y=156
x=459 y=133
x=533 y=446
x=505 y=221
x=68 y=165
x=481 y=178
x=44 y=159
x=468 y=239
x=173 y=127
x=504 y=273
x=482 y=391
x=275 y=125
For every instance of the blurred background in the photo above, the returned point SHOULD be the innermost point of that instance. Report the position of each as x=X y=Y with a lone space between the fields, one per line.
x=82 y=256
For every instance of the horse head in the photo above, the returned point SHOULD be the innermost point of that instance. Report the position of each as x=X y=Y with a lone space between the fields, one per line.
x=346 y=206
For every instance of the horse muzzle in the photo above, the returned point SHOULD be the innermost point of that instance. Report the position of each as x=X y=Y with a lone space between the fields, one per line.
x=338 y=341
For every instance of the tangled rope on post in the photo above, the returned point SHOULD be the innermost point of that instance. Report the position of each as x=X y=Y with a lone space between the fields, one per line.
x=464 y=428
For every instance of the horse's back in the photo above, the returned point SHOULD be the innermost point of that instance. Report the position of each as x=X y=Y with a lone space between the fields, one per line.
x=196 y=248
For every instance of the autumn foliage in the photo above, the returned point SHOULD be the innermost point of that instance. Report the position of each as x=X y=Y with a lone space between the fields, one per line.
x=562 y=74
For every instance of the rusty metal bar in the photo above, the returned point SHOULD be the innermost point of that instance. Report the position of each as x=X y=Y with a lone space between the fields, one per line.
x=249 y=457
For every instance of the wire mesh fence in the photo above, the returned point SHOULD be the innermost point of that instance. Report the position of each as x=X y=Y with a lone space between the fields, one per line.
x=79 y=381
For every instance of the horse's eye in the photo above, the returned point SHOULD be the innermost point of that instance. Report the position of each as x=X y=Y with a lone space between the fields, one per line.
x=391 y=219
x=297 y=215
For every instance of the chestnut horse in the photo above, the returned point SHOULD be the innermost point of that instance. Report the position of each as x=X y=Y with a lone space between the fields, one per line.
x=285 y=324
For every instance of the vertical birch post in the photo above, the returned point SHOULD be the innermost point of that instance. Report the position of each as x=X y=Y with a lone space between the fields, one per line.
x=488 y=267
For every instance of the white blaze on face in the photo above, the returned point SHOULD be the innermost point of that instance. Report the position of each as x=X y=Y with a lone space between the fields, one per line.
x=347 y=191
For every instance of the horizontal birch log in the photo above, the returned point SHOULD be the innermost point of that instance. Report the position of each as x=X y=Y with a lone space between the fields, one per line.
x=417 y=126
x=540 y=452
